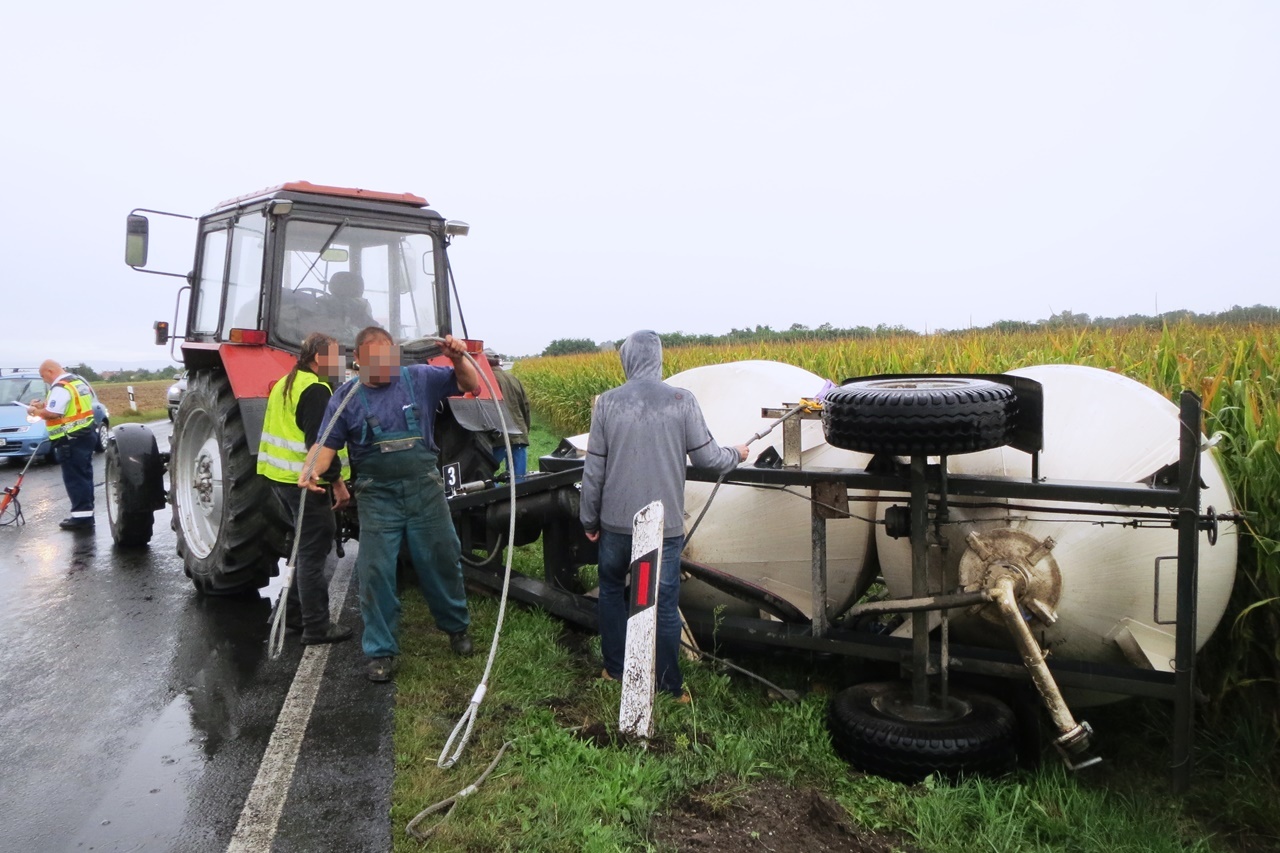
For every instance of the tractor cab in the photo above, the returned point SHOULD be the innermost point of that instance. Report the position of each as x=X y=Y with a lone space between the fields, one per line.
x=273 y=266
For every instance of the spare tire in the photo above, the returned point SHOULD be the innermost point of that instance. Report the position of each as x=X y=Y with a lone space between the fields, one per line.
x=875 y=728
x=920 y=416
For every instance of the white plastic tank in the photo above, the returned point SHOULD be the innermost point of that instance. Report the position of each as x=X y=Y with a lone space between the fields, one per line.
x=1099 y=581
x=763 y=535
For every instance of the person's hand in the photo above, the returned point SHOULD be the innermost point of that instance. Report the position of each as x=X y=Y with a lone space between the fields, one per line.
x=742 y=452
x=593 y=535
x=454 y=348
x=341 y=495
x=309 y=482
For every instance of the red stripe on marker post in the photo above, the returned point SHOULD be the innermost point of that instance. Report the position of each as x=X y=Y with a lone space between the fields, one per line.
x=642 y=584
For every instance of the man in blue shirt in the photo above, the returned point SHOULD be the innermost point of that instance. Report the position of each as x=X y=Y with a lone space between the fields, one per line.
x=387 y=428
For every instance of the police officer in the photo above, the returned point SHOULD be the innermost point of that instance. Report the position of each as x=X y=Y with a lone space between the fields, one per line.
x=295 y=409
x=387 y=426
x=68 y=416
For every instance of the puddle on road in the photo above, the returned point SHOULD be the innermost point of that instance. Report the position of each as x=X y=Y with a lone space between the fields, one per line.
x=145 y=808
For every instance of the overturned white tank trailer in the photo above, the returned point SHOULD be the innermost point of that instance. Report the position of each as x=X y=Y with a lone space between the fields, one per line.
x=1054 y=510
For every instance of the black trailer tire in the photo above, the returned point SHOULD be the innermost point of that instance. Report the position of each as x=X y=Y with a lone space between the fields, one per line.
x=133 y=485
x=220 y=503
x=930 y=416
x=975 y=737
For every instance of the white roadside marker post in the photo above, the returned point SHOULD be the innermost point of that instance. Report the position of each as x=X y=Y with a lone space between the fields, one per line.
x=133 y=404
x=639 y=670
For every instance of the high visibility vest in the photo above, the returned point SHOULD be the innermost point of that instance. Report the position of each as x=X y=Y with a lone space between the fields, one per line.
x=283 y=449
x=79 y=412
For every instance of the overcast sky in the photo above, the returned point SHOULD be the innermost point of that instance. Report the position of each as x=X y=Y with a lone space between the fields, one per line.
x=687 y=166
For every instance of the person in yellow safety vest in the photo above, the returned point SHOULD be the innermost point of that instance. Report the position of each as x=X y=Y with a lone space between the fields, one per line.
x=68 y=415
x=295 y=408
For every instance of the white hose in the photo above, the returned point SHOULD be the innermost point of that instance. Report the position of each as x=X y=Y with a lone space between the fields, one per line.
x=468 y=720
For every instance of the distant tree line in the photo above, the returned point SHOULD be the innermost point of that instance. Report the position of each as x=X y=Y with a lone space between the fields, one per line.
x=1236 y=315
x=134 y=375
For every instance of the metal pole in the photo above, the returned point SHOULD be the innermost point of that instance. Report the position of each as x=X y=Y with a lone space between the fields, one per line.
x=919 y=581
x=1188 y=563
x=818 y=536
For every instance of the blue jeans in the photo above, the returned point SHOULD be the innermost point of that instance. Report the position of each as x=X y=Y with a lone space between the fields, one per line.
x=411 y=510
x=75 y=453
x=521 y=454
x=615 y=561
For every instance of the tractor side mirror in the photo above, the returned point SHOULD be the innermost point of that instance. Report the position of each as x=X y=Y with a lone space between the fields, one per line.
x=137 y=229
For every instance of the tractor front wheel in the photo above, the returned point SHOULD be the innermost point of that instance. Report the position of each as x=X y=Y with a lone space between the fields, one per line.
x=219 y=501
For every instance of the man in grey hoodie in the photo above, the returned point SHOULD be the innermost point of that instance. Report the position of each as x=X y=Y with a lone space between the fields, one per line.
x=641 y=434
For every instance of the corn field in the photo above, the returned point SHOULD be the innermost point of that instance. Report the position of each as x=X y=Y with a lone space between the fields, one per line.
x=1232 y=368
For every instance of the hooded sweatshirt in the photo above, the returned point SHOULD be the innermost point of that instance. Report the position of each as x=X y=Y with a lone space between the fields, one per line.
x=641 y=434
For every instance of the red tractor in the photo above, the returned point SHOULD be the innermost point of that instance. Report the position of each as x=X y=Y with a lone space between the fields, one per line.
x=271 y=267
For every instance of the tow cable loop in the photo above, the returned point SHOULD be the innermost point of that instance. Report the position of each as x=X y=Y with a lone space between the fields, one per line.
x=447 y=805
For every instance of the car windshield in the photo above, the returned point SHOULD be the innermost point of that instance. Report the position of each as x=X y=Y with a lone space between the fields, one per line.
x=22 y=389
x=338 y=279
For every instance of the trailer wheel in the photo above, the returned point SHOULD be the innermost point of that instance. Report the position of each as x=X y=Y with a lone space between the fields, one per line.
x=931 y=416
x=219 y=501
x=128 y=497
x=875 y=728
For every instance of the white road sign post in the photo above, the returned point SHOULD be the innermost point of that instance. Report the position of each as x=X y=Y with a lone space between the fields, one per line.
x=639 y=671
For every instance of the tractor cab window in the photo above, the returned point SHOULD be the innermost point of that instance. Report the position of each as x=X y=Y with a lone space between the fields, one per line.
x=208 y=296
x=244 y=275
x=340 y=278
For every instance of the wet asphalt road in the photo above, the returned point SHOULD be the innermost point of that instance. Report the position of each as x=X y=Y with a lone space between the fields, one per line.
x=134 y=713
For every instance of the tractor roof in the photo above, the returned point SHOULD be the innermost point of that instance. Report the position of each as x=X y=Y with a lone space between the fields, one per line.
x=293 y=188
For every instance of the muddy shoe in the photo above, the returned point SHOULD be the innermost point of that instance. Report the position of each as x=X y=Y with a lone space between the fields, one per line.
x=379 y=669
x=460 y=643
x=331 y=633
x=605 y=676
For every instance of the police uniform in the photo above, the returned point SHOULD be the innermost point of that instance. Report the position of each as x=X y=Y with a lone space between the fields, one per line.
x=290 y=426
x=72 y=436
x=400 y=497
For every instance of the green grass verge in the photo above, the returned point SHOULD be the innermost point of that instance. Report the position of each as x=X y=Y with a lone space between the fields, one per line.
x=139 y=417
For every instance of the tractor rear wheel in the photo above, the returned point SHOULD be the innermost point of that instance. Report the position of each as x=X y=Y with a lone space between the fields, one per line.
x=220 y=503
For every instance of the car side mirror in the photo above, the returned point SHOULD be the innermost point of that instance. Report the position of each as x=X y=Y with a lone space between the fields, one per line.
x=137 y=230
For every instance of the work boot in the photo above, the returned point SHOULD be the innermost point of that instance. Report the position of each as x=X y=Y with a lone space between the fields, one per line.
x=82 y=523
x=330 y=633
x=604 y=675
x=460 y=643
x=379 y=669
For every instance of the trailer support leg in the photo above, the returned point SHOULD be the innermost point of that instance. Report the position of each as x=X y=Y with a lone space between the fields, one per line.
x=919 y=581
x=1188 y=562
x=818 y=534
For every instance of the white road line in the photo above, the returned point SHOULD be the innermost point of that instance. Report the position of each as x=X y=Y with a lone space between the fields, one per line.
x=256 y=830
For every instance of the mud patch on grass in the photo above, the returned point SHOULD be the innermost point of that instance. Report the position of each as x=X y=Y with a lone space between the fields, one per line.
x=767 y=815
